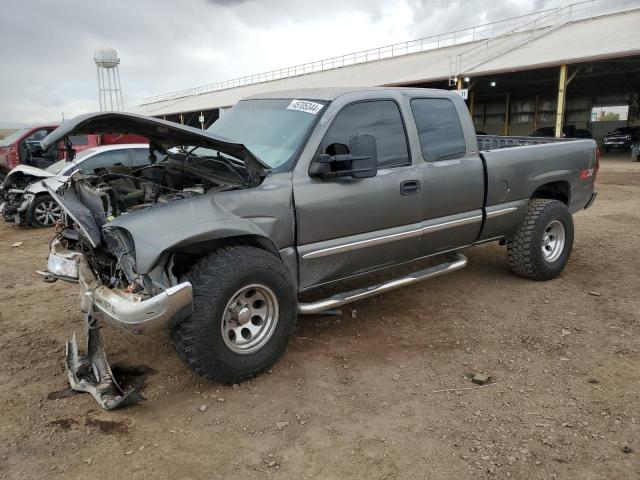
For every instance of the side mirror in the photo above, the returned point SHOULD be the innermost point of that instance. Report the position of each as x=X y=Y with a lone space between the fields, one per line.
x=360 y=162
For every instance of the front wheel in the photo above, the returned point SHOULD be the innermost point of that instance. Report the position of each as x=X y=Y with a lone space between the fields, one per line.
x=244 y=311
x=44 y=212
x=541 y=247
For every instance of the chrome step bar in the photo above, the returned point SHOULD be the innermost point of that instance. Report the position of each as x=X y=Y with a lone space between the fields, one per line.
x=457 y=261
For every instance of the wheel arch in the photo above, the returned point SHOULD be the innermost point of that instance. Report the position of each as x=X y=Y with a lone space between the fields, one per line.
x=187 y=254
x=559 y=190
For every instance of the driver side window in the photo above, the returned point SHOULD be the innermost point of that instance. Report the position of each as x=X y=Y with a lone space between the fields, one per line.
x=380 y=118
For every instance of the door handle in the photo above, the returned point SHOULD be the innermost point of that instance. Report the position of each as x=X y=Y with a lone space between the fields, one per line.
x=410 y=187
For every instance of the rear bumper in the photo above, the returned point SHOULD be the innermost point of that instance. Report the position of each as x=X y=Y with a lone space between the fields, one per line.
x=591 y=200
x=129 y=311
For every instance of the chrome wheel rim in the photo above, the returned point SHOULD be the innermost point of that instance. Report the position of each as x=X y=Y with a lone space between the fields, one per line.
x=553 y=241
x=250 y=318
x=47 y=212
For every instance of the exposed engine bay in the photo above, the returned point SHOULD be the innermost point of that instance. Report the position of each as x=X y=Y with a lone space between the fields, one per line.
x=180 y=175
x=93 y=200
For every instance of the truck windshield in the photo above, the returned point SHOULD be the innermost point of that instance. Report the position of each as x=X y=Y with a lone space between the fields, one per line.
x=272 y=130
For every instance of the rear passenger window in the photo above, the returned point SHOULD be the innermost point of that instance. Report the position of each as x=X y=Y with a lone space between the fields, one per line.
x=380 y=118
x=439 y=129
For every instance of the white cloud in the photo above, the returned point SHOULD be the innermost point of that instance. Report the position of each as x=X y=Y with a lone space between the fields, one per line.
x=46 y=48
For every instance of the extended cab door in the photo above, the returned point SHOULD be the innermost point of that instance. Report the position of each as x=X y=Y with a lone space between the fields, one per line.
x=347 y=226
x=452 y=174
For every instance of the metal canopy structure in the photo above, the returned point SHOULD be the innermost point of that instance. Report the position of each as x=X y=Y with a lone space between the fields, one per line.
x=572 y=34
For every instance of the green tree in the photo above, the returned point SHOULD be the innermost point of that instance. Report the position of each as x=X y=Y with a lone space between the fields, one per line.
x=608 y=116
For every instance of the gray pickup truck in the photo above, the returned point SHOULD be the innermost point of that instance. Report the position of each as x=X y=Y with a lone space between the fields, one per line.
x=287 y=192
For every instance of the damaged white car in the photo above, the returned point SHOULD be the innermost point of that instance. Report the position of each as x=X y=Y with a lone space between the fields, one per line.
x=24 y=196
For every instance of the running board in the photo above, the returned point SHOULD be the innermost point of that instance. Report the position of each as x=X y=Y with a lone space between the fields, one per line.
x=457 y=262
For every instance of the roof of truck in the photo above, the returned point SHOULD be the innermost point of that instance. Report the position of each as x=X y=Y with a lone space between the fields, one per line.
x=331 y=93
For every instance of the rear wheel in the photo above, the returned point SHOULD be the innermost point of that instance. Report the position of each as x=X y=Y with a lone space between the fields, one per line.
x=542 y=245
x=44 y=212
x=244 y=310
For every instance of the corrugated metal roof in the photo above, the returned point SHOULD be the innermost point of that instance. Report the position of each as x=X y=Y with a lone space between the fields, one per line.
x=608 y=36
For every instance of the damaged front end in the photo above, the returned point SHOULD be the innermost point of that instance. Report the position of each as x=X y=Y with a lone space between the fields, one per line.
x=94 y=250
x=111 y=293
x=15 y=197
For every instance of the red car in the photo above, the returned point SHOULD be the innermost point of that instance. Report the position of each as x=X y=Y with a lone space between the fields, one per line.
x=23 y=147
x=20 y=147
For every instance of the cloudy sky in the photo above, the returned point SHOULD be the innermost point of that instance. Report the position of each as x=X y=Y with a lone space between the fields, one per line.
x=47 y=46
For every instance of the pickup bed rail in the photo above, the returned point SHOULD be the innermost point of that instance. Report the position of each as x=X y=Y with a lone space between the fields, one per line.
x=493 y=142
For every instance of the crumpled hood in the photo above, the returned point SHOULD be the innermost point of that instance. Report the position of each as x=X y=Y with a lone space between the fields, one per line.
x=26 y=171
x=161 y=133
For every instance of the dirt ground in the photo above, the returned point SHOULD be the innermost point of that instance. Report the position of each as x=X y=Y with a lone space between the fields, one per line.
x=358 y=396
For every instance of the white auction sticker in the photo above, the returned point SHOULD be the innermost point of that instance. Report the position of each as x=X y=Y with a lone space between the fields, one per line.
x=305 y=106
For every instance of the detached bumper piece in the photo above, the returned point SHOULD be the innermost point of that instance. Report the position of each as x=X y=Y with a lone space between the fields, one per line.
x=92 y=374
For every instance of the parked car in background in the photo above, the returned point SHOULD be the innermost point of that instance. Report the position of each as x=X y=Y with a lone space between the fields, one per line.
x=568 y=131
x=622 y=138
x=24 y=195
x=23 y=147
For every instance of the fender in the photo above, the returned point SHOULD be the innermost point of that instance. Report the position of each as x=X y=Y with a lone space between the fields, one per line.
x=192 y=221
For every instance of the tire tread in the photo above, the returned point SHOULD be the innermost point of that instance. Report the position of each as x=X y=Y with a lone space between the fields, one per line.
x=211 y=277
x=521 y=250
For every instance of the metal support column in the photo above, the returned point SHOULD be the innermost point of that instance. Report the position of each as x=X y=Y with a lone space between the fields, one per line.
x=562 y=99
x=506 y=115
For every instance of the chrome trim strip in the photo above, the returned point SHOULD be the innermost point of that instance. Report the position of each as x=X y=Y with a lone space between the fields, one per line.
x=487 y=240
x=347 y=247
x=502 y=211
x=452 y=223
x=456 y=263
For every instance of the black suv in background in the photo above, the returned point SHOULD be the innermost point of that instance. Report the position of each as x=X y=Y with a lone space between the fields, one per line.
x=621 y=138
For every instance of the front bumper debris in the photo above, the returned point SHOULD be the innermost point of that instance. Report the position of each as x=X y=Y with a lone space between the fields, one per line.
x=91 y=372
x=131 y=311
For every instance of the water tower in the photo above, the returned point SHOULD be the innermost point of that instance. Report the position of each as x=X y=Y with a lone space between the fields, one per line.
x=109 y=88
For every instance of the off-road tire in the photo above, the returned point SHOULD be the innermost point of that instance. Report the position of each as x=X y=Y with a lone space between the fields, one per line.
x=524 y=248
x=215 y=279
